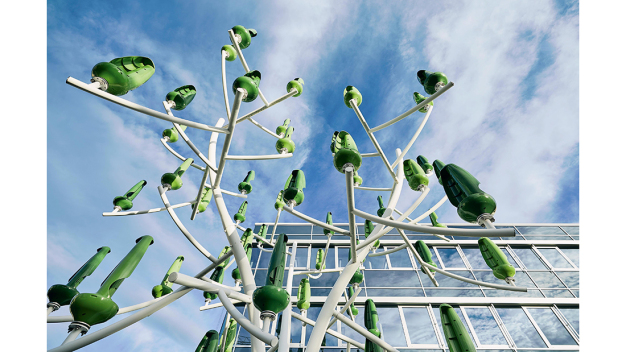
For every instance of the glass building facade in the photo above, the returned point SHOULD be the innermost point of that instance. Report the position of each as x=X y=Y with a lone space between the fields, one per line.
x=545 y=318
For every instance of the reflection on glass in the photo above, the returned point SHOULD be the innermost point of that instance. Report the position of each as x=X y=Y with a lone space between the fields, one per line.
x=342 y=256
x=572 y=230
x=391 y=278
x=392 y=332
x=551 y=326
x=379 y=262
x=540 y=230
x=264 y=261
x=326 y=280
x=296 y=328
x=434 y=292
x=569 y=277
x=385 y=292
x=359 y=320
x=291 y=229
x=421 y=330
x=521 y=278
x=509 y=258
x=475 y=258
x=450 y=258
x=572 y=254
x=260 y=276
x=557 y=293
x=520 y=328
x=529 y=258
x=302 y=258
x=572 y=316
x=312 y=314
x=485 y=326
x=545 y=279
x=446 y=281
x=330 y=258
x=255 y=257
x=400 y=259
x=503 y=293
x=243 y=338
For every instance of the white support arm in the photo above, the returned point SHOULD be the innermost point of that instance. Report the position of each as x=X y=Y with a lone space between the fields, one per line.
x=330 y=331
x=147 y=211
x=345 y=308
x=229 y=136
x=254 y=122
x=275 y=223
x=415 y=108
x=230 y=193
x=285 y=326
x=351 y=221
x=369 y=155
x=414 y=138
x=127 y=104
x=315 y=222
x=209 y=286
x=363 y=331
x=293 y=92
x=373 y=189
x=372 y=138
x=258 y=157
x=164 y=142
x=224 y=86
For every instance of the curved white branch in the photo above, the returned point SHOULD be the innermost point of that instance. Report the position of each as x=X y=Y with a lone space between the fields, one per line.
x=208 y=285
x=329 y=331
x=245 y=323
x=263 y=128
x=164 y=142
x=127 y=104
x=224 y=86
x=182 y=227
x=258 y=157
x=291 y=93
x=374 y=189
x=415 y=108
x=414 y=138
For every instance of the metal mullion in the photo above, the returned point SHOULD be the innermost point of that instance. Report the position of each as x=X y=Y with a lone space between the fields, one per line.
x=568 y=260
x=463 y=257
x=565 y=323
x=433 y=320
x=502 y=326
x=572 y=237
x=515 y=257
x=532 y=321
x=536 y=249
x=308 y=257
x=443 y=266
x=404 y=326
x=520 y=233
x=387 y=259
x=417 y=270
x=469 y=324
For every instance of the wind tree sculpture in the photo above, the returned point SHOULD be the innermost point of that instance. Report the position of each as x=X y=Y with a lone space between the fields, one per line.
x=110 y=80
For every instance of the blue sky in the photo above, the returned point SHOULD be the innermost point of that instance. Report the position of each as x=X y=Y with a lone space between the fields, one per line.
x=511 y=120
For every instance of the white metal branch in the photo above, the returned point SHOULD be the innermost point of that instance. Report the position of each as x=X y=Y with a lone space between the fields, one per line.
x=147 y=211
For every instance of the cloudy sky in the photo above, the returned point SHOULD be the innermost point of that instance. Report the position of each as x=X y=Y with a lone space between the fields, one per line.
x=511 y=119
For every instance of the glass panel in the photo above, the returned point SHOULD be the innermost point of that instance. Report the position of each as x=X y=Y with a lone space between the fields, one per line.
x=302 y=258
x=312 y=314
x=342 y=256
x=400 y=259
x=264 y=262
x=520 y=328
x=359 y=320
x=326 y=280
x=450 y=257
x=290 y=229
x=378 y=262
x=475 y=258
x=323 y=292
x=551 y=326
x=555 y=258
x=572 y=254
x=254 y=257
x=296 y=328
x=330 y=258
x=485 y=326
x=458 y=312
x=243 y=338
x=421 y=330
x=260 y=276
x=521 y=278
x=509 y=258
x=557 y=293
x=385 y=292
x=572 y=230
x=392 y=332
x=545 y=279
x=572 y=316
x=504 y=293
x=445 y=281
x=548 y=238
x=242 y=349
x=391 y=278
x=540 y=230
x=529 y=258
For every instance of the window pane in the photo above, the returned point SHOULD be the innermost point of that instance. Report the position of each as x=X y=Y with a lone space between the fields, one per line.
x=571 y=278
x=254 y=257
x=475 y=258
x=385 y=292
x=260 y=276
x=389 y=318
x=572 y=254
x=391 y=278
x=529 y=258
x=378 y=262
x=446 y=281
x=435 y=292
x=312 y=314
x=546 y=279
x=421 y=330
x=520 y=328
x=342 y=254
x=359 y=320
x=540 y=230
x=264 y=262
x=326 y=280
x=450 y=258
x=485 y=326
x=572 y=230
x=296 y=328
x=400 y=259
x=571 y=314
x=555 y=258
x=551 y=326
x=290 y=229
x=330 y=258
x=302 y=257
